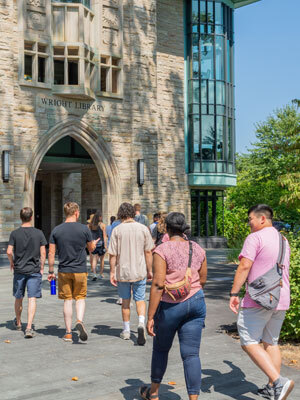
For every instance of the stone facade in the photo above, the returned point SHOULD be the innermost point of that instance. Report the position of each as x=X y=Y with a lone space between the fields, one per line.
x=145 y=121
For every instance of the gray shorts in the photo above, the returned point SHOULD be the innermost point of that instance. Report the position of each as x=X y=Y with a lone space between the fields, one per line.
x=258 y=324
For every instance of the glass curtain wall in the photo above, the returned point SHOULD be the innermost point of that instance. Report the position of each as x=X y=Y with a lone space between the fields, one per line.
x=210 y=41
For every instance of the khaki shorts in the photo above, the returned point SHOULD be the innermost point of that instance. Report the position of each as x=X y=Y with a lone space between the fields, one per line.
x=258 y=324
x=72 y=286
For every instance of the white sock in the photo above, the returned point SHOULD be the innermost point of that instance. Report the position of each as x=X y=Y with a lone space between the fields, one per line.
x=142 y=319
x=126 y=326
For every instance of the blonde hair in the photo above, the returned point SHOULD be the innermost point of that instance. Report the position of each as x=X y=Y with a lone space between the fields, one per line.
x=70 y=208
x=161 y=225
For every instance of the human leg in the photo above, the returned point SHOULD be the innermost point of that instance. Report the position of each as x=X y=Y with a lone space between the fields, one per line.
x=102 y=265
x=138 y=291
x=189 y=334
x=18 y=311
x=166 y=322
x=31 y=311
x=124 y=291
x=94 y=262
x=68 y=311
x=19 y=284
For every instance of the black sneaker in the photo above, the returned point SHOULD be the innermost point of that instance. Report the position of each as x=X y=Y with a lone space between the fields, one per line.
x=94 y=279
x=283 y=389
x=82 y=332
x=267 y=392
x=141 y=340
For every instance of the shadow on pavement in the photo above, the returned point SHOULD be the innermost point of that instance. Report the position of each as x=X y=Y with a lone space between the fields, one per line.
x=107 y=330
x=228 y=383
x=131 y=392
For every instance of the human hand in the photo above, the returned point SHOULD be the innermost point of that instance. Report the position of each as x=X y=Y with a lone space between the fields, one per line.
x=42 y=271
x=113 y=279
x=150 y=327
x=149 y=276
x=51 y=276
x=234 y=304
x=12 y=267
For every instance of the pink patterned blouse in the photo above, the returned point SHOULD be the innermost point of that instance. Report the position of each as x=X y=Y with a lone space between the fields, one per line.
x=176 y=256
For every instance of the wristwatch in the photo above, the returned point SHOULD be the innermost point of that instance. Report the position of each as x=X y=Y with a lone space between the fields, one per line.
x=234 y=294
x=50 y=272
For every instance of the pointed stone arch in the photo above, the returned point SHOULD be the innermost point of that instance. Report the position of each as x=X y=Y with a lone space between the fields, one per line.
x=97 y=149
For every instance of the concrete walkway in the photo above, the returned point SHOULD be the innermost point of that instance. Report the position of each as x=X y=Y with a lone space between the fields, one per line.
x=110 y=368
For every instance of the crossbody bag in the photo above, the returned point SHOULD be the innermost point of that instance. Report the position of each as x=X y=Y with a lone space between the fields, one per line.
x=181 y=289
x=265 y=290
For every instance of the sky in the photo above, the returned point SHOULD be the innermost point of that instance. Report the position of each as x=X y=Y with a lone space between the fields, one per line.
x=267 y=63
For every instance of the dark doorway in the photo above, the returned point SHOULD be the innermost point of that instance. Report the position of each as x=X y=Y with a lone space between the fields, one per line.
x=38 y=204
x=207 y=213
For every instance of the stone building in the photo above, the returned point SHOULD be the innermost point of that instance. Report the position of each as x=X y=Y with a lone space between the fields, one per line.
x=90 y=87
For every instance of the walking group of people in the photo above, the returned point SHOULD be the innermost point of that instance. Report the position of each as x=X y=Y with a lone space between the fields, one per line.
x=177 y=268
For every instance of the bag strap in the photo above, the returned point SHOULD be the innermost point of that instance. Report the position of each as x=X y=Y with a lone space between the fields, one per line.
x=281 y=254
x=190 y=254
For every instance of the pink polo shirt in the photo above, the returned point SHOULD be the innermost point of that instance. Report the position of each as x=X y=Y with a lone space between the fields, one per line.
x=262 y=247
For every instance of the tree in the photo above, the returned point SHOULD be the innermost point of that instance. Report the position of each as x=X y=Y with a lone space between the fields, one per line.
x=270 y=173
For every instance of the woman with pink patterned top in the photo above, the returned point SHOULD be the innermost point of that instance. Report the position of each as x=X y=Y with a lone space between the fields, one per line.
x=185 y=316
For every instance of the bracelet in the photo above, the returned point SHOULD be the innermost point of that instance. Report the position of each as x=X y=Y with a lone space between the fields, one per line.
x=50 y=272
x=234 y=294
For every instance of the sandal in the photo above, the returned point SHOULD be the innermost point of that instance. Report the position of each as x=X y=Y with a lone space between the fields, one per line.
x=145 y=393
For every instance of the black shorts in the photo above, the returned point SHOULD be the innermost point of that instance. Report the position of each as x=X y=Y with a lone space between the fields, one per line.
x=99 y=250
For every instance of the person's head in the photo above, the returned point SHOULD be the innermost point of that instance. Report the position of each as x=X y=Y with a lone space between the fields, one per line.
x=26 y=214
x=161 y=225
x=156 y=217
x=112 y=219
x=137 y=208
x=175 y=224
x=260 y=216
x=97 y=218
x=126 y=211
x=71 y=209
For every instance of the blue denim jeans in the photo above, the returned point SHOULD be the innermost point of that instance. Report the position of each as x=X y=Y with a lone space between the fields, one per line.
x=186 y=318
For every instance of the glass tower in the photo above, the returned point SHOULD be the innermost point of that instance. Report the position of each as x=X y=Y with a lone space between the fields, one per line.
x=210 y=112
x=211 y=131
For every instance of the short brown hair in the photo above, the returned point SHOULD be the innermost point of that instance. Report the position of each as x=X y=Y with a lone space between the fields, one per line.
x=26 y=214
x=70 y=208
x=126 y=211
x=137 y=207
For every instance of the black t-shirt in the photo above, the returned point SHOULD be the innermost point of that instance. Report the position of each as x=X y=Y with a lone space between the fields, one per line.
x=71 y=239
x=27 y=242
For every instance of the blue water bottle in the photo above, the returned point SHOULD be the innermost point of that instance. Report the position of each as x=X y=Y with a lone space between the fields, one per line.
x=53 y=286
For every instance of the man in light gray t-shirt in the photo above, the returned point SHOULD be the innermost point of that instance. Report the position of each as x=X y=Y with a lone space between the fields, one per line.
x=130 y=258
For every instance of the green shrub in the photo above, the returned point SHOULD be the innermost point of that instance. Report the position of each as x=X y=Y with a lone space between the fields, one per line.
x=291 y=325
x=235 y=226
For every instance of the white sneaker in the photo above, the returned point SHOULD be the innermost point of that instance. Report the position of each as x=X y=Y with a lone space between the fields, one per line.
x=125 y=335
x=119 y=301
x=282 y=392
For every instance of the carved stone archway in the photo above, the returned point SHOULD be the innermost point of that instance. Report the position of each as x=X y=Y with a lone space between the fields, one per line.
x=99 y=152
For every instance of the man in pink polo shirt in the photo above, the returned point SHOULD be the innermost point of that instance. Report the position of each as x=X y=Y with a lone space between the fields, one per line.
x=255 y=323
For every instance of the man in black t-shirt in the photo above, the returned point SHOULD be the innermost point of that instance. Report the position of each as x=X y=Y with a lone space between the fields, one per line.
x=70 y=239
x=26 y=252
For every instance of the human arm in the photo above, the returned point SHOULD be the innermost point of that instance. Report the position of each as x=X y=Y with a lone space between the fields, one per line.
x=51 y=259
x=42 y=258
x=10 y=255
x=149 y=261
x=157 y=287
x=103 y=227
x=92 y=245
x=112 y=264
x=240 y=278
x=203 y=273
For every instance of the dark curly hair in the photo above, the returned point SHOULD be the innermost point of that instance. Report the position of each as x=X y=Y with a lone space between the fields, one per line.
x=125 y=211
x=176 y=225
